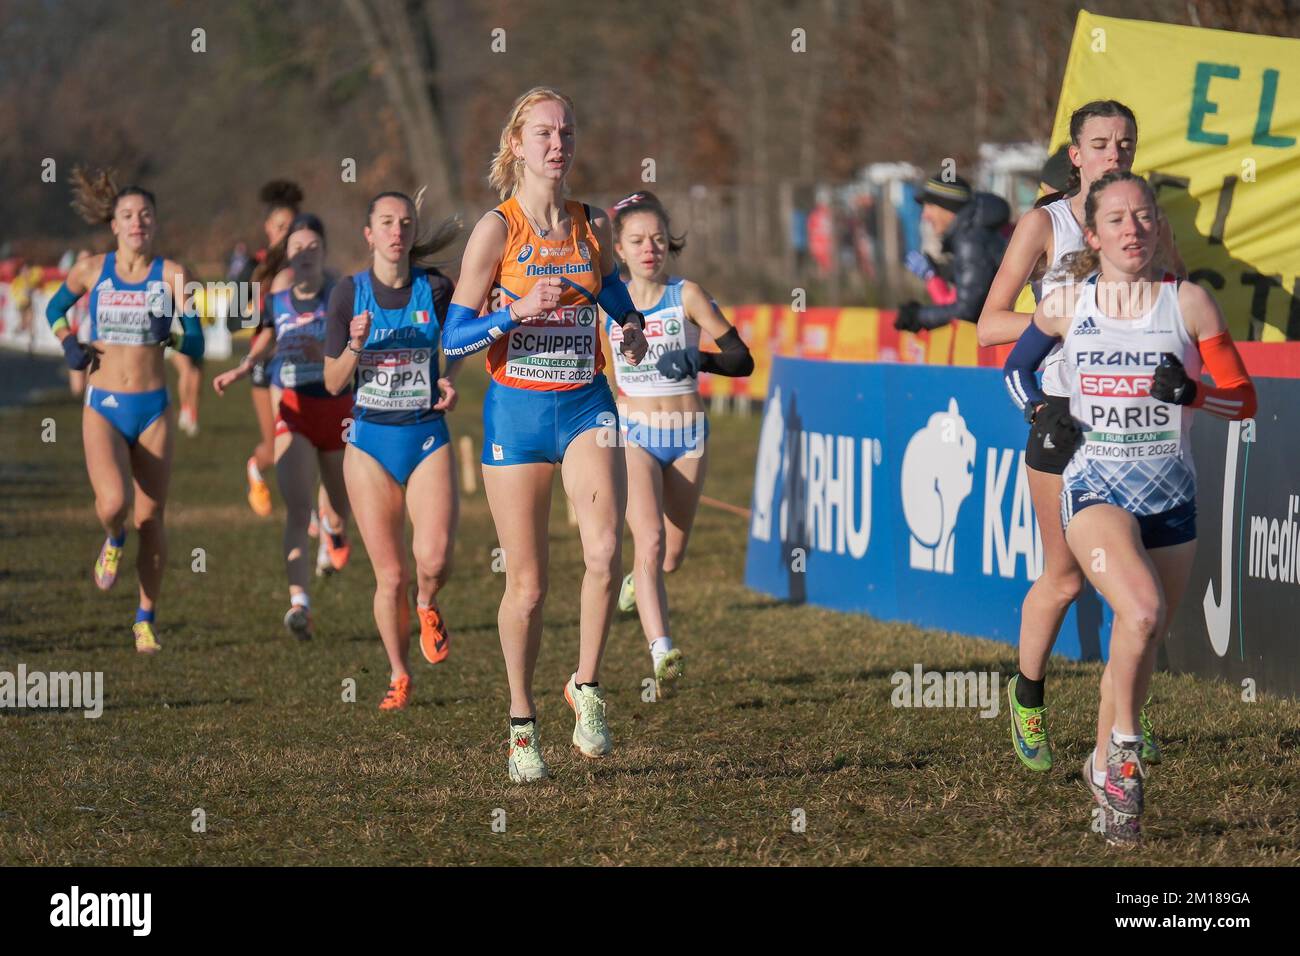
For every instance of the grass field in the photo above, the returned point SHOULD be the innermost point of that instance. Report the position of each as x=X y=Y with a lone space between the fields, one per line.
x=787 y=708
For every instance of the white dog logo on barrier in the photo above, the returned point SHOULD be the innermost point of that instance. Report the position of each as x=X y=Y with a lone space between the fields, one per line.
x=938 y=472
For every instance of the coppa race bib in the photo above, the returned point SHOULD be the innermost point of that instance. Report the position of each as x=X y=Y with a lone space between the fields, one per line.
x=1123 y=421
x=560 y=350
x=132 y=316
x=394 y=379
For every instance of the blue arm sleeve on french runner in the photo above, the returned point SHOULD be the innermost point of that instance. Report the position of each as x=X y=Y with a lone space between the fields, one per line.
x=59 y=305
x=1033 y=346
x=614 y=297
x=465 y=331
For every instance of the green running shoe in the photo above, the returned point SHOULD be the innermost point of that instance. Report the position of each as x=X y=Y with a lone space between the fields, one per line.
x=627 y=596
x=1029 y=732
x=106 y=565
x=668 y=672
x=525 y=763
x=1150 y=749
x=590 y=731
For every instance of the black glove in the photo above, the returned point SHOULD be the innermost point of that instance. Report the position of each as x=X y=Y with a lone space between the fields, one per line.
x=1171 y=383
x=1058 y=424
x=77 y=356
x=908 y=319
x=676 y=364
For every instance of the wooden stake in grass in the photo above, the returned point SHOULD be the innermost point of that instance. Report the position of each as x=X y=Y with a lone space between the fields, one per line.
x=468 y=473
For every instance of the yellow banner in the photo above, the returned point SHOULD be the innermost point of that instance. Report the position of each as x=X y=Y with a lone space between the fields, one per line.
x=1218 y=124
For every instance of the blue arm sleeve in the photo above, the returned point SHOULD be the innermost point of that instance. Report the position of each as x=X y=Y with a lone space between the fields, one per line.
x=1033 y=346
x=192 y=342
x=614 y=297
x=59 y=305
x=465 y=331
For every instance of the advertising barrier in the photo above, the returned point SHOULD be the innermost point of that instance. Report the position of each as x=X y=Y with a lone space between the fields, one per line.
x=901 y=491
x=845 y=335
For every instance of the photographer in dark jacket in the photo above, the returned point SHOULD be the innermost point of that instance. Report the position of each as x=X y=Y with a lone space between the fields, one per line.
x=970 y=225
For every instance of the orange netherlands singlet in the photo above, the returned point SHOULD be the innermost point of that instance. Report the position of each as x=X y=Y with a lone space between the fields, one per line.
x=563 y=352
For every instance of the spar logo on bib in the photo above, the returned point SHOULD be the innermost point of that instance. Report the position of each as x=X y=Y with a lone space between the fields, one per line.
x=586 y=315
x=1115 y=386
x=672 y=326
x=525 y=253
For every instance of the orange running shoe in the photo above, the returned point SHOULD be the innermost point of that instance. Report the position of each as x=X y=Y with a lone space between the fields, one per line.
x=259 y=494
x=398 y=696
x=435 y=642
x=339 y=553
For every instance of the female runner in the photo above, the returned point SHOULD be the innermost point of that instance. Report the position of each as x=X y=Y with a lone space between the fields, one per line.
x=548 y=403
x=1134 y=340
x=382 y=337
x=127 y=428
x=666 y=428
x=1103 y=138
x=310 y=421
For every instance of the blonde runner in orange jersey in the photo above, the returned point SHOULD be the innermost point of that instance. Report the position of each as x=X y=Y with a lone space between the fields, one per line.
x=552 y=260
x=562 y=351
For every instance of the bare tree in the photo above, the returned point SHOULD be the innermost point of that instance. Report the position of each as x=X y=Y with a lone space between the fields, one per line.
x=397 y=35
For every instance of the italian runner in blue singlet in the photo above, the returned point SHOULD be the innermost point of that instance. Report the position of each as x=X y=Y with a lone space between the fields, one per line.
x=382 y=337
x=127 y=426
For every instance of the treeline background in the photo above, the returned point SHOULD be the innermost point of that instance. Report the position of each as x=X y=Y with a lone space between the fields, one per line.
x=414 y=92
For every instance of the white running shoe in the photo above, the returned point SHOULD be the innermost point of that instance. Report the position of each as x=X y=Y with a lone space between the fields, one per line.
x=525 y=761
x=324 y=566
x=298 y=621
x=590 y=731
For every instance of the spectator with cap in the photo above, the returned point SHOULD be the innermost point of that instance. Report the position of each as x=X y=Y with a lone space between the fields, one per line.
x=1058 y=178
x=969 y=224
